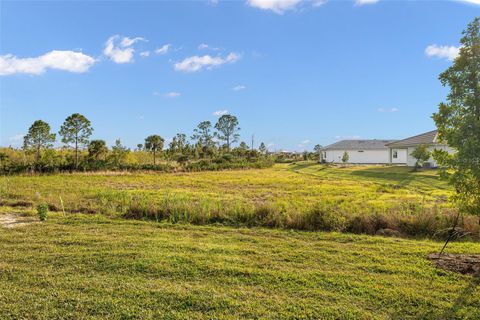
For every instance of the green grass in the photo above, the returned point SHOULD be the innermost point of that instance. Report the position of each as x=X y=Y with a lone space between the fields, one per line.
x=304 y=196
x=90 y=267
x=293 y=188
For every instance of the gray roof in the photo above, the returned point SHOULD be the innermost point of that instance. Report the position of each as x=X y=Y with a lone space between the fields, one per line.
x=424 y=138
x=359 y=145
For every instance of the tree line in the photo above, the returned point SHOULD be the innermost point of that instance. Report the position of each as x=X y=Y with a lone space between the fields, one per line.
x=209 y=147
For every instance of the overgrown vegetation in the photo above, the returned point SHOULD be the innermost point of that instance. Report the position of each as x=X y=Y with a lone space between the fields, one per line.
x=303 y=196
x=91 y=267
x=207 y=150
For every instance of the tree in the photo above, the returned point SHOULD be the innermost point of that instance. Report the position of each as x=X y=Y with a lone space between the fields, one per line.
x=458 y=122
x=262 y=148
x=154 y=144
x=139 y=147
x=202 y=134
x=227 y=129
x=345 y=157
x=119 y=153
x=97 y=149
x=178 y=143
x=421 y=154
x=318 y=150
x=75 y=131
x=38 y=138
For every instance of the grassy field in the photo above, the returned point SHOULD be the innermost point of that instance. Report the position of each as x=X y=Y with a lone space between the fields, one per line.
x=303 y=196
x=90 y=266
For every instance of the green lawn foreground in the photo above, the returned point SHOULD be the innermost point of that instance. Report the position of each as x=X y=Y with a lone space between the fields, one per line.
x=90 y=267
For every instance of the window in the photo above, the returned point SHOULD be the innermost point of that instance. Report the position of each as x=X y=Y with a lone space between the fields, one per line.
x=395 y=154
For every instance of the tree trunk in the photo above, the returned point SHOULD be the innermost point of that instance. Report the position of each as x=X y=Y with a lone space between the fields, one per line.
x=154 y=156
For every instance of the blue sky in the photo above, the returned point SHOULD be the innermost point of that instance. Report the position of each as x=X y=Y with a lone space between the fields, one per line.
x=295 y=73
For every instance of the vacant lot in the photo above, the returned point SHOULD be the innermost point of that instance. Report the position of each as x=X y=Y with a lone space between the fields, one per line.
x=86 y=267
x=304 y=196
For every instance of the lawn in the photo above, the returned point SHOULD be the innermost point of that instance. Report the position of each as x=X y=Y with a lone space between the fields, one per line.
x=303 y=196
x=294 y=188
x=90 y=266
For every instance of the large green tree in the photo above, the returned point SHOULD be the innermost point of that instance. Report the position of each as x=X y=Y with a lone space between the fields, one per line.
x=227 y=129
x=458 y=121
x=38 y=138
x=154 y=144
x=202 y=134
x=75 y=132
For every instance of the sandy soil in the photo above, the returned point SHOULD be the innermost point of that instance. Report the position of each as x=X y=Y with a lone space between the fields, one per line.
x=10 y=220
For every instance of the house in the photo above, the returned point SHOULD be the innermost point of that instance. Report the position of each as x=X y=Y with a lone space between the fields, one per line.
x=383 y=151
x=400 y=151
x=359 y=151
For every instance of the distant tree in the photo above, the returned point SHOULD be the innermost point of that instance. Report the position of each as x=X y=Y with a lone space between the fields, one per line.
x=318 y=150
x=97 y=149
x=119 y=153
x=227 y=129
x=243 y=146
x=262 y=148
x=154 y=144
x=3 y=160
x=38 y=138
x=202 y=134
x=75 y=131
x=421 y=154
x=458 y=122
x=139 y=147
x=345 y=157
x=178 y=143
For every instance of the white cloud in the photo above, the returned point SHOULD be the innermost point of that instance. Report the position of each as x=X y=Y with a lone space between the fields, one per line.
x=387 y=110
x=163 y=49
x=197 y=63
x=445 y=52
x=16 y=138
x=470 y=1
x=277 y=6
x=305 y=141
x=120 y=50
x=204 y=46
x=220 y=113
x=318 y=3
x=145 y=53
x=364 y=2
x=127 y=42
x=239 y=87
x=172 y=94
x=61 y=60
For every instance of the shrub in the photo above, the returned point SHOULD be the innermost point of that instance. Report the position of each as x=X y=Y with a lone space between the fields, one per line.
x=322 y=218
x=42 y=211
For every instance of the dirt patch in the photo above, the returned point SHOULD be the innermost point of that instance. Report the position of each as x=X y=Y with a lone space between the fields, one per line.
x=461 y=263
x=10 y=220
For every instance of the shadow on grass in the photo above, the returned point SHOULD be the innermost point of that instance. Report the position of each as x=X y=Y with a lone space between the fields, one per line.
x=400 y=176
x=462 y=299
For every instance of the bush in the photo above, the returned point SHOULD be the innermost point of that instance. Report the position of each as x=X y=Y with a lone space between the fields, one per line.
x=42 y=211
x=324 y=219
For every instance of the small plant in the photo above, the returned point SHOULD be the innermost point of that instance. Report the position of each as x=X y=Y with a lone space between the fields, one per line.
x=345 y=157
x=421 y=154
x=42 y=211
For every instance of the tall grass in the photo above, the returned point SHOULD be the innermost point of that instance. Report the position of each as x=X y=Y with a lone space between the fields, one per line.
x=362 y=200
